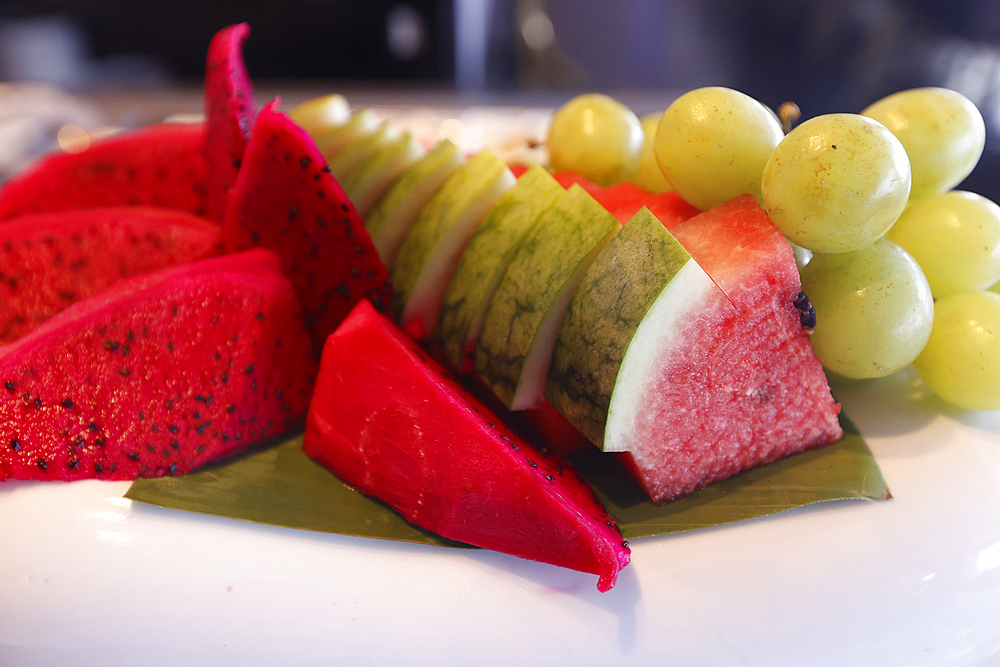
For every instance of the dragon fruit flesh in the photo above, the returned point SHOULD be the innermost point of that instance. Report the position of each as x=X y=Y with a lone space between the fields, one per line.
x=49 y=261
x=286 y=200
x=157 y=375
x=388 y=421
x=230 y=107
x=159 y=165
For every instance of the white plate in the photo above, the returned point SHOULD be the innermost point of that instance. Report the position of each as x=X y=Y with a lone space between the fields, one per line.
x=87 y=578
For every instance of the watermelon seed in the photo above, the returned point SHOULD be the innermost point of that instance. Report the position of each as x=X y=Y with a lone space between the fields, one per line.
x=15 y=444
x=9 y=385
x=305 y=161
x=172 y=469
x=92 y=426
x=73 y=463
x=176 y=445
x=67 y=403
x=173 y=429
x=110 y=345
x=248 y=369
x=532 y=464
x=150 y=448
x=42 y=464
x=124 y=372
x=549 y=478
x=133 y=456
x=231 y=408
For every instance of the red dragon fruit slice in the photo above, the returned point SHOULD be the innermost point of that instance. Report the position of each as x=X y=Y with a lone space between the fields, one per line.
x=388 y=421
x=49 y=261
x=159 y=165
x=286 y=200
x=157 y=375
x=230 y=107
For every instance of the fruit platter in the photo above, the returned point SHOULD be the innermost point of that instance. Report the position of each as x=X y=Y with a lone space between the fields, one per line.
x=314 y=383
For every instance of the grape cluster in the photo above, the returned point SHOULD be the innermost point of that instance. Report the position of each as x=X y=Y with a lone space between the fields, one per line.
x=900 y=266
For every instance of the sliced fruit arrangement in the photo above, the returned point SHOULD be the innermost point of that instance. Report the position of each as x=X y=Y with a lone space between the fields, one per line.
x=675 y=337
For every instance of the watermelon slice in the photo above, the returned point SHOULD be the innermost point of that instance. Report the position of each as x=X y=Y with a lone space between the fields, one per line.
x=624 y=200
x=286 y=200
x=731 y=384
x=230 y=107
x=159 y=165
x=49 y=261
x=388 y=421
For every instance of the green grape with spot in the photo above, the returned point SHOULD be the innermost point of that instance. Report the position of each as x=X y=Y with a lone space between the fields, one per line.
x=836 y=183
x=955 y=237
x=942 y=131
x=712 y=144
x=961 y=361
x=597 y=137
x=874 y=309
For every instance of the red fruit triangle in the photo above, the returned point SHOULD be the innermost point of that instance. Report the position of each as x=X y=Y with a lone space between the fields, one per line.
x=390 y=422
x=286 y=200
x=229 y=109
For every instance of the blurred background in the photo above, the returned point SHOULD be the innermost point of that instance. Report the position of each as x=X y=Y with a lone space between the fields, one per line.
x=826 y=55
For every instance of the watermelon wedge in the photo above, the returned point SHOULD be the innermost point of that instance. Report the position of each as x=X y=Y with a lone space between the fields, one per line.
x=389 y=422
x=730 y=385
x=159 y=165
x=285 y=199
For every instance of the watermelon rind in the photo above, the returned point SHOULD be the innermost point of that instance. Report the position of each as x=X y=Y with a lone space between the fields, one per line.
x=523 y=318
x=399 y=206
x=487 y=257
x=432 y=246
x=642 y=287
x=370 y=177
x=360 y=149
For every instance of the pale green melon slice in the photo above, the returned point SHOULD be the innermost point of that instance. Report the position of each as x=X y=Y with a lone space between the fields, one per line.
x=320 y=114
x=642 y=287
x=431 y=248
x=399 y=207
x=524 y=315
x=370 y=177
x=354 y=153
x=331 y=142
x=485 y=259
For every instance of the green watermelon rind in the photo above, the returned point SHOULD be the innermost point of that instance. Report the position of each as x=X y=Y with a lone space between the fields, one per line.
x=434 y=243
x=533 y=294
x=399 y=207
x=370 y=177
x=487 y=257
x=617 y=298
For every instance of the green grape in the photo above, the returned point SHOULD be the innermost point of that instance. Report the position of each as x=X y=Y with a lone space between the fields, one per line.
x=321 y=113
x=874 y=309
x=942 y=131
x=649 y=177
x=955 y=237
x=836 y=183
x=961 y=361
x=597 y=137
x=712 y=144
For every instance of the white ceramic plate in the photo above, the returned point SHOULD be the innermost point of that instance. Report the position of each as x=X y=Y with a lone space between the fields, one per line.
x=87 y=578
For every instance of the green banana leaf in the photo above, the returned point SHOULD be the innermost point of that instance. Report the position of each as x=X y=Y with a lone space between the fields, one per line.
x=280 y=485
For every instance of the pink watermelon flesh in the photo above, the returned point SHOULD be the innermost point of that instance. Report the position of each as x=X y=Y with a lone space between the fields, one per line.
x=747 y=388
x=49 y=261
x=230 y=107
x=159 y=165
x=390 y=422
x=157 y=375
x=625 y=199
x=286 y=200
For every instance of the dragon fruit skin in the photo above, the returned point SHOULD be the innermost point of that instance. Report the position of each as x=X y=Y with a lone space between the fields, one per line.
x=51 y=260
x=159 y=165
x=230 y=108
x=388 y=421
x=157 y=375
x=286 y=200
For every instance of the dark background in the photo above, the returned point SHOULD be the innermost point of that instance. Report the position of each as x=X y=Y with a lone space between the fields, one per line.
x=828 y=55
